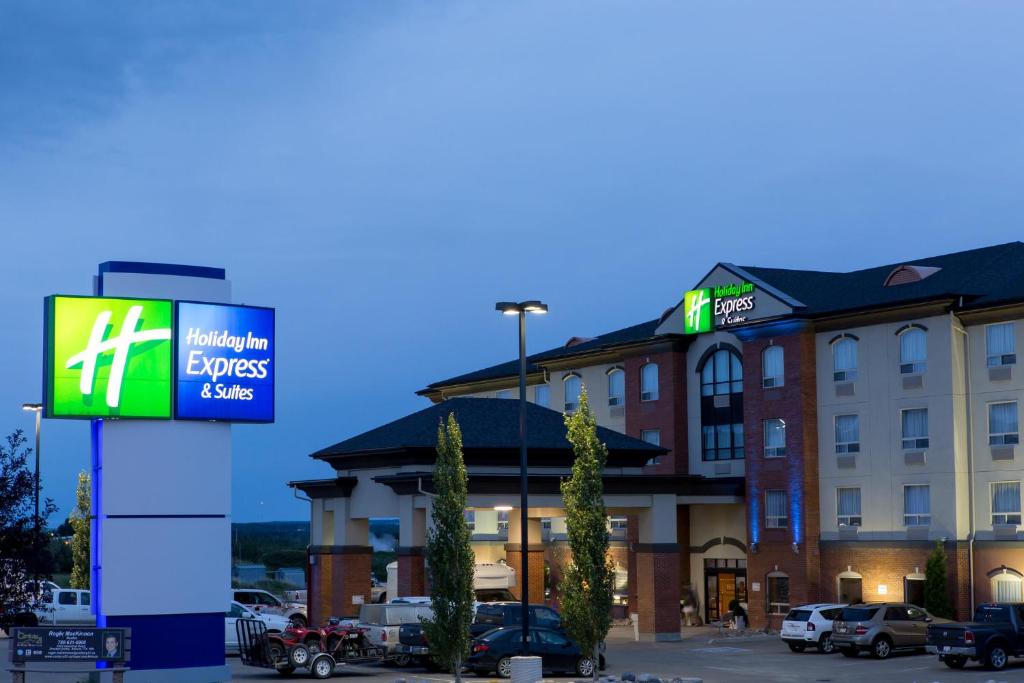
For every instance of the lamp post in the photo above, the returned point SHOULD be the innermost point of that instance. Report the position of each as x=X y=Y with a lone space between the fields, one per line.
x=36 y=408
x=521 y=309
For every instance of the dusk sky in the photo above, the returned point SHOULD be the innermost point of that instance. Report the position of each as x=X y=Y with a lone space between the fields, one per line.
x=383 y=172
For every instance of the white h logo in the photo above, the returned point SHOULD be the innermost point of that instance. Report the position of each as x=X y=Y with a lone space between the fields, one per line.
x=119 y=344
x=696 y=303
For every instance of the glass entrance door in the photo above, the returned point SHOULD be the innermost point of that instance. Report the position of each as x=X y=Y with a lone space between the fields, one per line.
x=724 y=581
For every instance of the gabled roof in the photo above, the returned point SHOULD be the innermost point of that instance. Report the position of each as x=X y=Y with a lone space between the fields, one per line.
x=490 y=435
x=987 y=276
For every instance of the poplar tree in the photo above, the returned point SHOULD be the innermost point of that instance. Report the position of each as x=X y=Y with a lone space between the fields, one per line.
x=936 y=593
x=80 y=574
x=586 y=587
x=449 y=556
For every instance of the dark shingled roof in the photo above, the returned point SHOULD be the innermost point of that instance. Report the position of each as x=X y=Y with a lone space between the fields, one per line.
x=486 y=424
x=983 y=277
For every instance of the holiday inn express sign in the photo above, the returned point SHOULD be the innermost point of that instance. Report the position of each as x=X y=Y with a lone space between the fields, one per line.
x=716 y=307
x=156 y=359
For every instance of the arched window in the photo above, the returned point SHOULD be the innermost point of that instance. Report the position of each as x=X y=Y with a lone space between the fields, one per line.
x=773 y=367
x=913 y=351
x=722 y=374
x=573 y=385
x=778 y=593
x=649 y=382
x=850 y=587
x=721 y=405
x=1006 y=585
x=616 y=387
x=844 y=359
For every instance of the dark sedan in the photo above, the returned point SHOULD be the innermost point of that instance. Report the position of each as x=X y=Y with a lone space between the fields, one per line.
x=494 y=652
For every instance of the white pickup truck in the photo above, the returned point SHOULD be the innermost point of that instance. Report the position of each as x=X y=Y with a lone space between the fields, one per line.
x=383 y=622
x=65 y=606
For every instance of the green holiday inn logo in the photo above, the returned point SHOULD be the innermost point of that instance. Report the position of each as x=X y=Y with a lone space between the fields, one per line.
x=697 y=311
x=108 y=357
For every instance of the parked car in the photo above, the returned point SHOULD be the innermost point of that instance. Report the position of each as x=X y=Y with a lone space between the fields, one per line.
x=65 y=606
x=383 y=624
x=492 y=615
x=265 y=601
x=881 y=628
x=275 y=624
x=995 y=635
x=494 y=651
x=810 y=626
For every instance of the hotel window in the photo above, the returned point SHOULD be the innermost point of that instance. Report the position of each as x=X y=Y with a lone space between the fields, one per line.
x=1006 y=587
x=573 y=385
x=778 y=593
x=1006 y=502
x=652 y=436
x=913 y=351
x=1000 y=348
x=470 y=516
x=721 y=406
x=773 y=366
x=774 y=438
x=1002 y=424
x=776 y=509
x=917 y=505
x=848 y=506
x=616 y=387
x=722 y=374
x=847 y=434
x=503 y=393
x=914 y=428
x=844 y=360
x=503 y=521
x=542 y=395
x=649 y=382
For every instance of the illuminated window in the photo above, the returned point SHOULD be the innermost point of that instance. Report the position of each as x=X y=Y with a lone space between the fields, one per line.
x=913 y=351
x=721 y=406
x=721 y=374
x=649 y=382
x=774 y=438
x=778 y=593
x=1006 y=586
x=848 y=506
x=844 y=360
x=773 y=367
x=652 y=436
x=917 y=505
x=776 y=509
x=573 y=385
x=616 y=387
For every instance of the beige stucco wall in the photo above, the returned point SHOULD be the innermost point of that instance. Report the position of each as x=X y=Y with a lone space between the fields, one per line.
x=709 y=522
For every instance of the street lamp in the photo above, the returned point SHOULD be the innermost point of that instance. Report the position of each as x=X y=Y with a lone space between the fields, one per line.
x=36 y=408
x=521 y=309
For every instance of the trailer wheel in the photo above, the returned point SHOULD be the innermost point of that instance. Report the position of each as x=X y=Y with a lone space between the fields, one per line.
x=322 y=667
x=299 y=656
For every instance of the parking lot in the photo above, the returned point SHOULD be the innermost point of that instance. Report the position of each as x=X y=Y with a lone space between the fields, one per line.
x=722 y=661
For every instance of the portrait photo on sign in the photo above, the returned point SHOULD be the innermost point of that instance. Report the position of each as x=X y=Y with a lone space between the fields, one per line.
x=111 y=645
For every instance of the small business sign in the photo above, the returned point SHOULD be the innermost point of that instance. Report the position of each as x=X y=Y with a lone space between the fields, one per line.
x=225 y=362
x=717 y=307
x=70 y=644
x=108 y=357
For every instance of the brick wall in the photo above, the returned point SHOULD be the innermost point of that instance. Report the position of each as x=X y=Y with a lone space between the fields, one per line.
x=411 y=576
x=796 y=472
x=535 y=558
x=667 y=414
x=336 y=575
x=658 y=593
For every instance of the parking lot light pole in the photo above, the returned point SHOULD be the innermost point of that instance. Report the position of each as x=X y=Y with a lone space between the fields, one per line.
x=36 y=408
x=521 y=309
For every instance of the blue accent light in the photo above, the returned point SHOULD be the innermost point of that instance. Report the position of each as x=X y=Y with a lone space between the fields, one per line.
x=796 y=510
x=755 y=516
x=96 y=531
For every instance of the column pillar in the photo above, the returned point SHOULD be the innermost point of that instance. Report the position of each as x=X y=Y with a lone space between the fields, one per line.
x=534 y=556
x=340 y=565
x=412 y=524
x=657 y=559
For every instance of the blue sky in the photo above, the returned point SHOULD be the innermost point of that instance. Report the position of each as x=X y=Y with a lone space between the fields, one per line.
x=383 y=172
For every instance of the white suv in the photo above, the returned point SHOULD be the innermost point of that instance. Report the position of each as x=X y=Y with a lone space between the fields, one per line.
x=810 y=625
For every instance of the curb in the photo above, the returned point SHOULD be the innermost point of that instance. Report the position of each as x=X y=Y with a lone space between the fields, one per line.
x=740 y=639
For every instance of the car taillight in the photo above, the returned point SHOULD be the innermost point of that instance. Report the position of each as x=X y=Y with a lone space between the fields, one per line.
x=861 y=629
x=383 y=636
x=969 y=637
x=481 y=647
x=810 y=626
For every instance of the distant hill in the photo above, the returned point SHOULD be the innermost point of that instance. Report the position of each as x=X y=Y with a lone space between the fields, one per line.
x=251 y=541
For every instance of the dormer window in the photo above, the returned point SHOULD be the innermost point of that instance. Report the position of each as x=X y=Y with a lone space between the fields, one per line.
x=903 y=275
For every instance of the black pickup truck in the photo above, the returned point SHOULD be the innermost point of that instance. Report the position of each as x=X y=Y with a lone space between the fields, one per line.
x=995 y=635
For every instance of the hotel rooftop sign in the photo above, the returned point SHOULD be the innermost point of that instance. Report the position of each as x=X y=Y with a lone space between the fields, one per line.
x=718 y=307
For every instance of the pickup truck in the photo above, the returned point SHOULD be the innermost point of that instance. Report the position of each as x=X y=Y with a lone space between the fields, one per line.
x=995 y=635
x=65 y=606
x=383 y=623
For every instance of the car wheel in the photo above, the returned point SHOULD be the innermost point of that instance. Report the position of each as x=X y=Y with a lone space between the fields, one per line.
x=996 y=658
x=505 y=667
x=299 y=620
x=825 y=645
x=797 y=647
x=402 y=660
x=849 y=651
x=299 y=656
x=881 y=648
x=954 y=661
x=584 y=667
x=322 y=667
